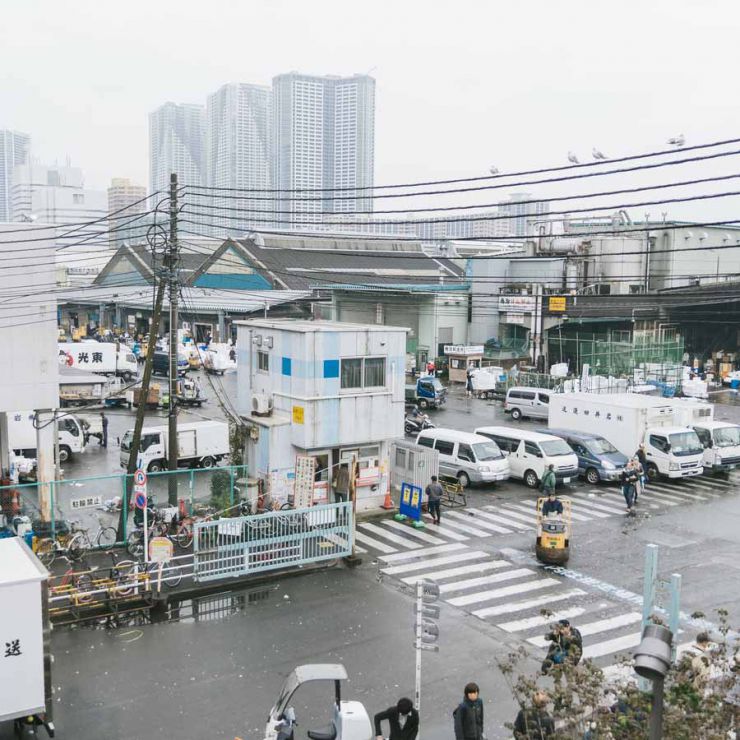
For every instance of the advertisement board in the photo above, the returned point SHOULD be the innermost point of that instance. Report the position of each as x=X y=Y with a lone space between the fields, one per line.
x=517 y=303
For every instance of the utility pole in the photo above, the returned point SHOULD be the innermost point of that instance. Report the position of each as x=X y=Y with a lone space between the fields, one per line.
x=173 y=279
x=141 y=408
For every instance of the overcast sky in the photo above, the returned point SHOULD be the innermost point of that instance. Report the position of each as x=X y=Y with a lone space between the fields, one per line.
x=460 y=85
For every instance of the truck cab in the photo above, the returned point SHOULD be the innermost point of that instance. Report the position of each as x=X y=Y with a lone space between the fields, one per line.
x=721 y=443
x=428 y=392
x=674 y=452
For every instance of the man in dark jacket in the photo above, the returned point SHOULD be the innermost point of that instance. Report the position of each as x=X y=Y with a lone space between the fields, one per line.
x=552 y=505
x=403 y=720
x=469 y=715
x=535 y=722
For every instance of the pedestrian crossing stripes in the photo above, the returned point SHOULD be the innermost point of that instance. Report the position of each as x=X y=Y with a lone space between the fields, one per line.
x=414 y=533
x=479 y=522
x=434 y=562
x=459 y=571
x=395 y=538
x=426 y=551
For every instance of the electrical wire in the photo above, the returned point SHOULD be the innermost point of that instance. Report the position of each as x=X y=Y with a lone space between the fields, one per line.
x=574 y=166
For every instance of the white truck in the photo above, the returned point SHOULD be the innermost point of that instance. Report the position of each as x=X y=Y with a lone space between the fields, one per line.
x=106 y=358
x=199 y=444
x=720 y=439
x=628 y=420
x=22 y=435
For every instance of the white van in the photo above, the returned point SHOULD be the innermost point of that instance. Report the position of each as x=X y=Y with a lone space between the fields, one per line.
x=468 y=457
x=531 y=402
x=530 y=453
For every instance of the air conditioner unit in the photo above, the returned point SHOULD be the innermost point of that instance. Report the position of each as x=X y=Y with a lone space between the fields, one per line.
x=261 y=404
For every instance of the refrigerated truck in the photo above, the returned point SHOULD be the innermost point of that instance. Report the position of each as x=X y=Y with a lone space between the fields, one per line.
x=106 y=358
x=720 y=439
x=199 y=444
x=22 y=434
x=25 y=663
x=628 y=420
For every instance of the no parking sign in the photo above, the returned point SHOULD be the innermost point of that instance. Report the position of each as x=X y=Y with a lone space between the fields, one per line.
x=140 y=489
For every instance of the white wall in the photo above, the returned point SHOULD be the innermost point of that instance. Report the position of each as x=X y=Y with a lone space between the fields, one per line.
x=28 y=320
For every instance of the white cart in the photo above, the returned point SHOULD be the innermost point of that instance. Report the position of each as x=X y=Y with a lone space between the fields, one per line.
x=25 y=659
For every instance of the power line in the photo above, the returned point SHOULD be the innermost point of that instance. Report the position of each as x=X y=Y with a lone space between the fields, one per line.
x=633 y=157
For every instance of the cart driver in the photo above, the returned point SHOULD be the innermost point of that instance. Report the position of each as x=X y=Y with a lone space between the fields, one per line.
x=552 y=505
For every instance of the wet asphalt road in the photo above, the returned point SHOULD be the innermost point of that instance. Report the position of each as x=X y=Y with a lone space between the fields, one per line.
x=216 y=677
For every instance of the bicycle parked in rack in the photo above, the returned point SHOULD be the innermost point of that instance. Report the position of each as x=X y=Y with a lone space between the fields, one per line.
x=128 y=575
x=74 y=543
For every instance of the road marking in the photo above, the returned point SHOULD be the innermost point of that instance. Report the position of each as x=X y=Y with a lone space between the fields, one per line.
x=518 y=606
x=594 y=628
x=608 y=647
x=530 y=520
x=703 y=482
x=342 y=542
x=501 y=520
x=411 y=554
x=442 y=531
x=455 y=525
x=675 y=493
x=520 y=625
x=508 y=575
x=461 y=571
x=498 y=593
x=434 y=562
x=370 y=542
x=705 y=487
x=574 y=516
x=620 y=499
x=610 y=508
x=418 y=533
x=479 y=522
x=663 y=498
x=390 y=536
x=576 y=504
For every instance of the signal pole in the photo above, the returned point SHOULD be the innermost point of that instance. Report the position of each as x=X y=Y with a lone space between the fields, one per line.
x=173 y=279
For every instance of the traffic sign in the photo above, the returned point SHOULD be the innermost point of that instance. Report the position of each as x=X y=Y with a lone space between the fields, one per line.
x=140 y=500
x=140 y=478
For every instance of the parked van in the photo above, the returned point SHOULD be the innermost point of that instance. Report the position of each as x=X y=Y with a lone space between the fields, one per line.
x=530 y=453
x=531 y=402
x=468 y=457
x=161 y=364
x=598 y=459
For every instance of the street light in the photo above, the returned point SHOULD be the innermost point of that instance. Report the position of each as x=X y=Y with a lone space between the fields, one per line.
x=652 y=661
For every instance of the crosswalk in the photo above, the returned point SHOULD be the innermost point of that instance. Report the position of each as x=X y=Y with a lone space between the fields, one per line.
x=514 y=594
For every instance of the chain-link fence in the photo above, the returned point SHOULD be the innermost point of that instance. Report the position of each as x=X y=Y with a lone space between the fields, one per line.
x=96 y=502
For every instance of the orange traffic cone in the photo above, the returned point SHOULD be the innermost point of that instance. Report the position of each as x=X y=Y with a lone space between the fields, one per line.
x=388 y=503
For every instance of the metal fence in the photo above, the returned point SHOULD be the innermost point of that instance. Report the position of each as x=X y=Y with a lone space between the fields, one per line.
x=87 y=502
x=250 y=544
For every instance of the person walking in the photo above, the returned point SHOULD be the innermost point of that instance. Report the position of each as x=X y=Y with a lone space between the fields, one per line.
x=468 y=715
x=403 y=720
x=469 y=382
x=104 y=436
x=434 y=493
x=549 y=481
x=535 y=722
x=640 y=473
x=628 y=479
x=340 y=484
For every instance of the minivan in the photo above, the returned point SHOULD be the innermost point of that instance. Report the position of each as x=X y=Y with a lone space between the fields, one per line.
x=530 y=453
x=468 y=457
x=531 y=402
x=598 y=459
x=161 y=364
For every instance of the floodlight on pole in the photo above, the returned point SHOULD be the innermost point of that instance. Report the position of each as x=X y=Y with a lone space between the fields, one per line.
x=653 y=661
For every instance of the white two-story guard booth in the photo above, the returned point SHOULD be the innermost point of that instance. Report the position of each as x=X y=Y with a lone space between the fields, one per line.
x=330 y=390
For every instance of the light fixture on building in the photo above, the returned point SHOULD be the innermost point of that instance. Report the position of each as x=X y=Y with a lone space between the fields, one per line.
x=268 y=342
x=257 y=339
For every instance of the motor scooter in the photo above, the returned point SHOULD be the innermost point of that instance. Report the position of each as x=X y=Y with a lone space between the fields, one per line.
x=416 y=422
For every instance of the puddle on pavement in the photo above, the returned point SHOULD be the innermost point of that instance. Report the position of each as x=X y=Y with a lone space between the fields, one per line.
x=213 y=607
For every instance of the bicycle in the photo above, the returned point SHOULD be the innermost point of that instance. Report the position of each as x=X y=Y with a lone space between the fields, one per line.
x=75 y=543
x=128 y=574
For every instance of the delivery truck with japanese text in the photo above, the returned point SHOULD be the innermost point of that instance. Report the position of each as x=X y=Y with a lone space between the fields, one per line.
x=628 y=420
x=106 y=358
x=22 y=434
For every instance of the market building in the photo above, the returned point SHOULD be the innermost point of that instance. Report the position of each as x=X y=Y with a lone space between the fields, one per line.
x=332 y=391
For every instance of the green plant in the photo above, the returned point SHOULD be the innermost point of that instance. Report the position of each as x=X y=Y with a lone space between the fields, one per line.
x=221 y=489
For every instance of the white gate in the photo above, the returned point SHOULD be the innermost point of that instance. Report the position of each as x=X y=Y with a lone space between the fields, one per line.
x=412 y=463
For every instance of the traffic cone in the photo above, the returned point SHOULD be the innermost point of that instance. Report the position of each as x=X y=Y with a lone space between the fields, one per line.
x=388 y=503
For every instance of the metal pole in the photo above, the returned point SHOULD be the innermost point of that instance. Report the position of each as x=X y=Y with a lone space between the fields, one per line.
x=417 y=691
x=648 y=596
x=656 y=713
x=140 y=410
x=674 y=616
x=172 y=268
x=146 y=527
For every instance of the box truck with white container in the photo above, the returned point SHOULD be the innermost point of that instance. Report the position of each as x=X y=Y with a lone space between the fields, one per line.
x=25 y=664
x=720 y=439
x=628 y=420
x=105 y=358
x=22 y=434
x=199 y=444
